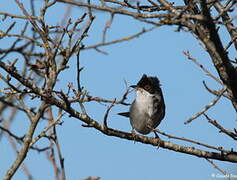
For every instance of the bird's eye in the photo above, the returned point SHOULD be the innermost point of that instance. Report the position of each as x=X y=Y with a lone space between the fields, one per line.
x=147 y=87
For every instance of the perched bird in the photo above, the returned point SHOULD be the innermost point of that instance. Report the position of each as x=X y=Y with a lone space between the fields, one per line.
x=148 y=109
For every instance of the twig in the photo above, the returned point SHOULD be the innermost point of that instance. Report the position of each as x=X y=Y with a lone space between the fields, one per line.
x=212 y=103
x=192 y=141
x=23 y=166
x=13 y=143
x=217 y=125
x=186 y=53
x=54 y=140
x=89 y=10
x=20 y=139
x=43 y=133
x=215 y=92
x=107 y=26
x=36 y=27
x=52 y=159
x=16 y=16
x=79 y=88
x=230 y=43
x=89 y=98
x=61 y=159
x=120 y=40
x=107 y=113
x=101 y=51
x=219 y=169
x=91 y=178
x=26 y=144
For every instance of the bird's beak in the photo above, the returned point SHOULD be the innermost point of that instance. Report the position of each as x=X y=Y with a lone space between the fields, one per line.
x=133 y=86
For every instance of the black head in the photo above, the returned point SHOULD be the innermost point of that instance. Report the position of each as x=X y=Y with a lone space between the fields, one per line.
x=149 y=83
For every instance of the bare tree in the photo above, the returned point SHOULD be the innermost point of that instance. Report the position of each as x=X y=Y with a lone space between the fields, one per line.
x=44 y=52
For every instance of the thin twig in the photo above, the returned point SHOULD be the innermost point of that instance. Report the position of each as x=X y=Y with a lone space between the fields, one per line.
x=191 y=141
x=231 y=134
x=208 y=106
x=216 y=92
x=219 y=169
x=52 y=159
x=186 y=53
x=120 y=40
x=61 y=159
x=107 y=26
x=107 y=113
x=43 y=133
x=79 y=88
x=20 y=139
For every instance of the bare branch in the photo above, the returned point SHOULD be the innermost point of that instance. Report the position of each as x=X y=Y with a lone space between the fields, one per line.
x=43 y=133
x=192 y=141
x=20 y=139
x=119 y=40
x=107 y=113
x=186 y=53
x=219 y=169
x=26 y=145
x=231 y=134
x=212 y=103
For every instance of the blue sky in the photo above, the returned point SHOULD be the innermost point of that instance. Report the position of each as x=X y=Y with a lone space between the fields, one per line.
x=88 y=152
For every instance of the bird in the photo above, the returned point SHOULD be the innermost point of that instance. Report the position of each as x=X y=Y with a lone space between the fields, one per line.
x=148 y=109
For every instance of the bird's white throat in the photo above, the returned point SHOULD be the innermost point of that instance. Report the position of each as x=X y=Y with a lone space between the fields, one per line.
x=144 y=101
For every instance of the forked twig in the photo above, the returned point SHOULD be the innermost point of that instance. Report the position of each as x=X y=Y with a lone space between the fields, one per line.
x=43 y=133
